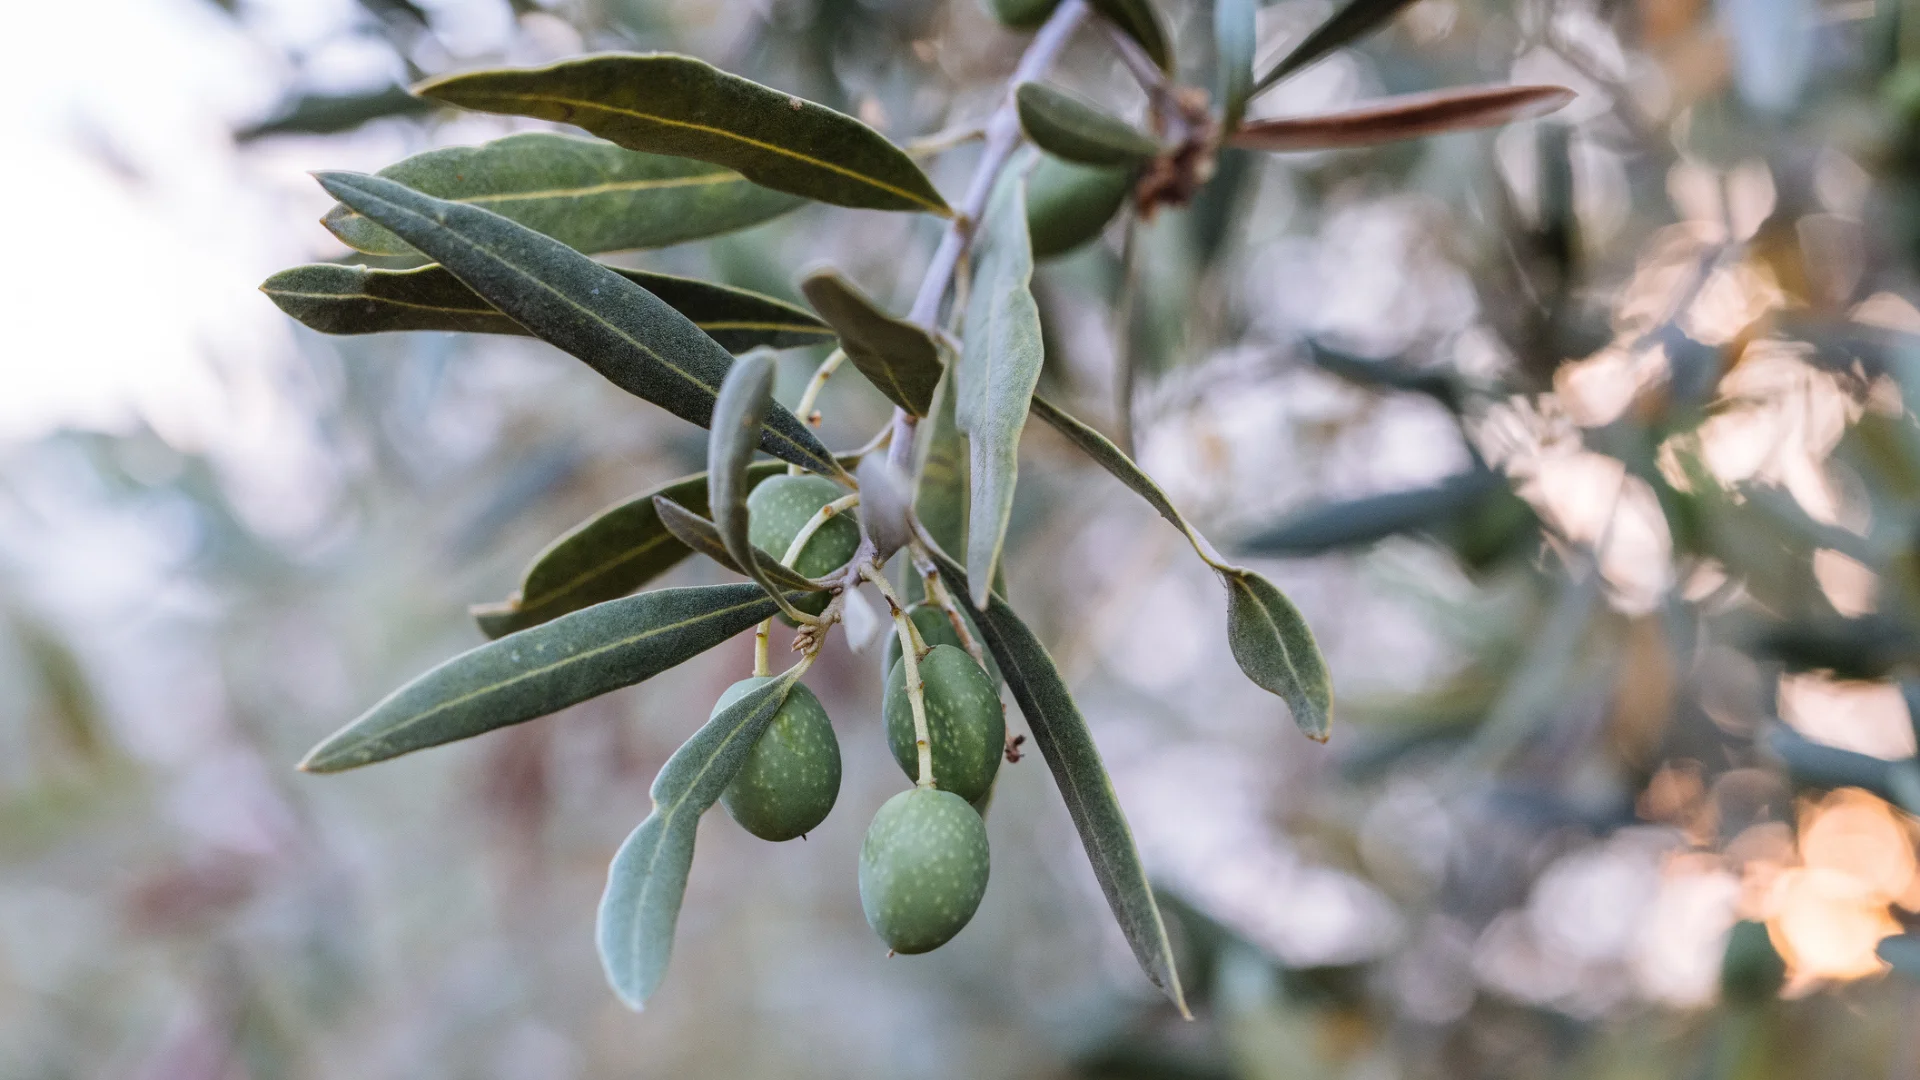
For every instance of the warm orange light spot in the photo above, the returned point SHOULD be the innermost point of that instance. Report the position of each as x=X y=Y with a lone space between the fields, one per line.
x=1854 y=833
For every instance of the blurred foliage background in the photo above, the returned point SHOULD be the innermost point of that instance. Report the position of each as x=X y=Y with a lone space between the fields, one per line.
x=1584 y=445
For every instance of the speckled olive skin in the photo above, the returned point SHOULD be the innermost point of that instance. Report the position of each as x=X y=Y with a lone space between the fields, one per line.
x=965 y=723
x=923 y=869
x=792 y=775
x=936 y=629
x=780 y=506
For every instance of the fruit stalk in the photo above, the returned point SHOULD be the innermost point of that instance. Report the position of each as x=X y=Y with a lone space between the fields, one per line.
x=911 y=649
x=820 y=517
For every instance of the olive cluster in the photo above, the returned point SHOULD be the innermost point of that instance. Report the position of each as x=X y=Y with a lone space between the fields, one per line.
x=923 y=865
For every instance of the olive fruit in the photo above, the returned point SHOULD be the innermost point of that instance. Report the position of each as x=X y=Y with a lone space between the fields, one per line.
x=1069 y=204
x=1022 y=14
x=780 y=506
x=792 y=775
x=923 y=869
x=965 y=723
x=937 y=629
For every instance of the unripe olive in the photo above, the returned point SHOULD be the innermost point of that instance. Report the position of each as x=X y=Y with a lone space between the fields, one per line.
x=1068 y=204
x=781 y=506
x=1021 y=14
x=792 y=775
x=965 y=724
x=923 y=869
x=937 y=629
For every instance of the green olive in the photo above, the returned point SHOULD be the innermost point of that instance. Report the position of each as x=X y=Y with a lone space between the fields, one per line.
x=1021 y=14
x=781 y=506
x=792 y=775
x=923 y=869
x=1069 y=204
x=937 y=629
x=965 y=723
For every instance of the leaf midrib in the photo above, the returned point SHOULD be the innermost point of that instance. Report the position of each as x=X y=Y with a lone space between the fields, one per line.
x=718 y=176
x=918 y=200
x=490 y=311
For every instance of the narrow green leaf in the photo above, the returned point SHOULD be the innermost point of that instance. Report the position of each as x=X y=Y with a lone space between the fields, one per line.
x=1406 y=116
x=703 y=537
x=621 y=330
x=1269 y=638
x=1356 y=522
x=648 y=878
x=603 y=558
x=1068 y=204
x=544 y=670
x=667 y=104
x=1235 y=39
x=336 y=299
x=1273 y=645
x=1822 y=768
x=900 y=359
x=1021 y=14
x=737 y=416
x=1355 y=20
x=1061 y=733
x=328 y=114
x=589 y=195
x=1141 y=21
x=1000 y=361
x=1072 y=128
x=940 y=472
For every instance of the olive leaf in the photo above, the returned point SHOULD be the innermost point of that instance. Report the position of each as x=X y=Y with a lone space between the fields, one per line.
x=1820 y=767
x=940 y=473
x=337 y=299
x=328 y=114
x=1141 y=21
x=1235 y=40
x=742 y=407
x=1902 y=952
x=1354 y=522
x=900 y=359
x=1068 y=204
x=544 y=670
x=1074 y=129
x=1000 y=361
x=1405 y=116
x=648 y=878
x=621 y=330
x=1022 y=14
x=703 y=537
x=1269 y=638
x=605 y=557
x=668 y=104
x=1061 y=734
x=589 y=195
x=1355 y=20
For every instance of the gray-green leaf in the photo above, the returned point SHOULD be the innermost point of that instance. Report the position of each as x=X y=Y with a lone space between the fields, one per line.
x=1000 y=361
x=1354 y=522
x=1269 y=638
x=667 y=104
x=544 y=670
x=742 y=407
x=1235 y=40
x=603 y=558
x=1275 y=648
x=589 y=195
x=336 y=299
x=900 y=359
x=621 y=330
x=1074 y=129
x=1068 y=204
x=648 y=877
x=703 y=537
x=940 y=472
x=1142 y=22
x=1405 y=116
x=1061 y=733
x=1356 y=19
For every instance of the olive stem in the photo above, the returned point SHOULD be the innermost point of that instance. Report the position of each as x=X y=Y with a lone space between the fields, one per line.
x=820 y=518
x=910 y=652
x=805 y=410
x=937 y=592
x=760 y=668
